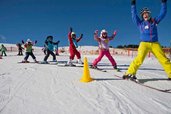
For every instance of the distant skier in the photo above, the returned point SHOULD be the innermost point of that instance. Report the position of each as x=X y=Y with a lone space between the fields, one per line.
x=49 y=44
x=73 y=47
x=3 y=50
x=56 y=48
x=20 y=49
x=103 y=41
x=149 y=39
x=29 y=50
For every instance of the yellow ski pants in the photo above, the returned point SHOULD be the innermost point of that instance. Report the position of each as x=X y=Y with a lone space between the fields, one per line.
x=157 y=51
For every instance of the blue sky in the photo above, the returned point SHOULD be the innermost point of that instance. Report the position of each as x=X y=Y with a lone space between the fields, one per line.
x=36 y=19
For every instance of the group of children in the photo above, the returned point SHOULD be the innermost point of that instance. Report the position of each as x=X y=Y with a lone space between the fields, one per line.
x=148 y=35
x=103 y=41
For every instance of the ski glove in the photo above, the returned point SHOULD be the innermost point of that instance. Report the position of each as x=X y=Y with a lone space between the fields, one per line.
x=114 y=33
x=81 y=35
x=133 y=2
x=70 y=29
x=22 y=41
x=164 y=1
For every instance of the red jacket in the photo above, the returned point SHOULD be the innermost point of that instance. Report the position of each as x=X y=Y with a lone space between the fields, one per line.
x=71 y=43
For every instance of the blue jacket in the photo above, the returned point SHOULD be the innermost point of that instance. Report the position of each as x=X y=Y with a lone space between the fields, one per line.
x=148 y=29
x=49 y=45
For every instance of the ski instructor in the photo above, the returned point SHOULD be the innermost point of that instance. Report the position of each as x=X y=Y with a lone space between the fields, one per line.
x=149 y=39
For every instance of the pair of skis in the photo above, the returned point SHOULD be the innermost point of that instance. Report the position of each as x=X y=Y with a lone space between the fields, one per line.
x=64 y=64
x=147 y=86
x=135 y=81
x=80 y=65
x=42 y=62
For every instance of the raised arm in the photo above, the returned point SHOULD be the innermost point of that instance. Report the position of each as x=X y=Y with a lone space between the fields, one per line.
x=96 y=36
x=34 y=43
x=56 y=43
x=163 y=11
x=135 y=17
x=113 y=36
x=78 y=39
x=69 y=35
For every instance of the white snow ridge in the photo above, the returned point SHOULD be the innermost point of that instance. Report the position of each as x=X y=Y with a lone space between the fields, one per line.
x=50 y=89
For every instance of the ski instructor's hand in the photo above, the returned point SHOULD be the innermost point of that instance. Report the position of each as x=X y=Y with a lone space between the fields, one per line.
x=133 y=2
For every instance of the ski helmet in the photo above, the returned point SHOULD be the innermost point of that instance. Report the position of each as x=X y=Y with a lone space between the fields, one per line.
x=144 y=10
x=49 y=38
x=73 y=33
x=102 y=32
x=28 y=40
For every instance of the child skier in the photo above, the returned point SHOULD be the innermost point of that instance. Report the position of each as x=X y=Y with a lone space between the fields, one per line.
x=103 y=41
x=49 y=44
x=73 y=47
x=3 y=50
x=149 y=40
x=29 y=50
x=20 y=49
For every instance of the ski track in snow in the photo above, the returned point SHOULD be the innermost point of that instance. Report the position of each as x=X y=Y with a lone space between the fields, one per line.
x=49 y=89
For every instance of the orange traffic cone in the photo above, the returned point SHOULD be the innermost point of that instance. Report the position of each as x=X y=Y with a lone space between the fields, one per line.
x=86 y=73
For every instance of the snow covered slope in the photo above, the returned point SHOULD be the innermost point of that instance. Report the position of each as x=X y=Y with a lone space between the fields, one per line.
x=50 y=89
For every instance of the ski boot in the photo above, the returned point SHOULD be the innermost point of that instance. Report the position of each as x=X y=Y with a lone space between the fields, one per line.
x=69 y=63
x=117 y=69
x=25 y=61
x=44 y=62
x=54 y=61
x=93 y=67
x=80 y=62
x=130 y=77
x=36 y=61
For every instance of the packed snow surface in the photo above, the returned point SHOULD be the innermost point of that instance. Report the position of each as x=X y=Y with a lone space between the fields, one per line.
x=49 y=89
